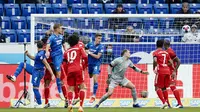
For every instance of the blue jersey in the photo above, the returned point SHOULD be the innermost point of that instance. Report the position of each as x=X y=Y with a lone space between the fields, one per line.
x=95 y=49
x=38 y=60
x=56 y=42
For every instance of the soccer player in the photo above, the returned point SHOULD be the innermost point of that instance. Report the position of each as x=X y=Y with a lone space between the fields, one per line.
x=94 y=51
x=55 y=43
x=37 y=71
x=162 y=80
x=74 y=56
x=116 y=72
x=177 y=63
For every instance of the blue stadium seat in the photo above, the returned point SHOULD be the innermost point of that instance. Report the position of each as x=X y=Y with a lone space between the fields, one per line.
x=156 y=1
x=110 y=7
x=95 y=8
x=194 y=7
x=1 y=10
x=130 y=8
x=155 y=31
x=12 y=10
x=136 y=23
x=70 y=2
x=23 y=35
x=55 y=1
x=5 y=24
x=28 y=20
x=39 y=34
x=166 y=23
x=10 y=35
x=174 y=8
x=173 y=37
x=68 y=22
x=87 y=1
x=141 y=1
x=28 y=9
x=60 y=8
x=18 y=22
x=44 y=9
x=84 y=23
x=161 y=9
x=79 y=9
x=150 y=23
x=100 y=23
x=108 y=36
x=145 y=8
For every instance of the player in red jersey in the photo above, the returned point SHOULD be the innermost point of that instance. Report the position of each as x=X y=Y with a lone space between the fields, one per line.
x=162 y=80
x=177 y=63
x=74 y=56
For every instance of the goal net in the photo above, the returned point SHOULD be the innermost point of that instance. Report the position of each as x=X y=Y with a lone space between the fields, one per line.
x=138 y=33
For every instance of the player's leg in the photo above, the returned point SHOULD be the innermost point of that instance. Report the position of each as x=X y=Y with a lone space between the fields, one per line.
x=76 y=98
x=63 y=86
x=47 y=80
x=71 y=81
x=164 y=89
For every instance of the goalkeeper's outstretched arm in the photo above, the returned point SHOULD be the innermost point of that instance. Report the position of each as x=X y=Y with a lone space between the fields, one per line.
x=138 y=69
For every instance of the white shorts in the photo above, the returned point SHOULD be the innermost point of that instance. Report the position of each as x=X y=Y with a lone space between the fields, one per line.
x=114 y=83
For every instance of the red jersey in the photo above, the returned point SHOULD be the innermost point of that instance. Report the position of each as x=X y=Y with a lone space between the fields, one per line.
x=74 y=57
x=81 y=44
x=162 y=61
x=172 y=55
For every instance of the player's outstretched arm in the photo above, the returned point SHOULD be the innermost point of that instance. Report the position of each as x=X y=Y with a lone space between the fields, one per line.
x=154 y=64
x=30 y=56
x=48 y=66
x=178 y=62
x=139 y=70
x=97 y=56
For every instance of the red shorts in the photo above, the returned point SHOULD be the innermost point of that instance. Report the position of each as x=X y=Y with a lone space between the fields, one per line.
x=75 y=78
x=47 y=75
x=162 y=80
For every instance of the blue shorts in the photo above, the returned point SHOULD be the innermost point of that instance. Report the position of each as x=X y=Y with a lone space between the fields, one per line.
x=37 y=76
x=94 y=69
x=57 y=61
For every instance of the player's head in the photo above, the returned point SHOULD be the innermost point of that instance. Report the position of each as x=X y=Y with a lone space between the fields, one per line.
x=40 y=44
x=159 y=43
x=126 y=53
x=58 y=28
x=166 y=43
x=98 y=38
x=73 y=40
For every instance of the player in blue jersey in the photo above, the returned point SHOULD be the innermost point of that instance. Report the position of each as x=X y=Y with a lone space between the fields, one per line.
x=94 y=51
x=37 y=71
x=55 y=43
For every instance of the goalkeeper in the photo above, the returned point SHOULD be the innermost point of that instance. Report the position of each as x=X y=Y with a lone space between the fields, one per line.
x=116 y=72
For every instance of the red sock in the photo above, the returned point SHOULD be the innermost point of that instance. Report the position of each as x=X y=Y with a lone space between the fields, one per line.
x=176 y=94
x=82 y=97
x=160 y=95
x=165 y=93
x=76 y=92
x=64 y=90
x=70 y=97
x=46 y=95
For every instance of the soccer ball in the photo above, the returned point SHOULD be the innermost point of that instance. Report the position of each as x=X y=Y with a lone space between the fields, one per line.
x=186 y=28
x=144 y=94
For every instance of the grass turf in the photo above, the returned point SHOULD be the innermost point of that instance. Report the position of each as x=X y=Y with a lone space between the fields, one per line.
x=104 y=110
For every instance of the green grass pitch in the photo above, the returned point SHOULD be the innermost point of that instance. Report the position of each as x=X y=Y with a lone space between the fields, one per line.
x=104 y=110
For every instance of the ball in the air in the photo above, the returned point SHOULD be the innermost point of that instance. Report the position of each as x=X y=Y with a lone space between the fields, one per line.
x=186 y=28
x=144 y=94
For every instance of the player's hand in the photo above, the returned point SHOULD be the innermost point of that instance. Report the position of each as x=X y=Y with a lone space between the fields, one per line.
x=87 y=51
x=155 y=71
x=47 y=54
x=26 y=52
x=145 y=72
x=173 y=74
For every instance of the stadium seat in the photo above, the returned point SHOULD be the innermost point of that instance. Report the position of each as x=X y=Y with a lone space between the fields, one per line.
x=108 y=36
x=145 y=8
x=100 y=23
x=5 y=24
x=10 y=35
x=79 y=8
x=84 y=23
x=28 y=20
x=11 y=1
x=18 y=22
x=110 y=7
x=155 y=31
x=136 y=23
x=174 y=8
x=130 y=8
x=95 y=8
x=55 y=1
x=87 y=1
x=60 y=8
x=12 y=10
x=175 y=37
x=150 y=23
x=141 y=1
x=39 y=34
x=23 y=35
x=68 y=22
x=1 y=10
x=194 y=7
x=156 y=1
x=44 y=9
x=28 y=9
x=161 y=9
x=166 y=23
x=70 y=2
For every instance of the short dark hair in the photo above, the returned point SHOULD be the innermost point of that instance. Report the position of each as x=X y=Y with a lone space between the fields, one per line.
x=40 y=44
x=55 y=26
x=123 y=52
x=160 y=43
x=167 y=42
x=108 y=45
x=98 y=34
x=73 y=40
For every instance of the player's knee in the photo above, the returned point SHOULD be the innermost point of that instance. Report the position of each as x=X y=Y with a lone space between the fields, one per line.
x=156 y=88
x=163 y=89
x=109 y=93
x=21 y=64
x=46 y=85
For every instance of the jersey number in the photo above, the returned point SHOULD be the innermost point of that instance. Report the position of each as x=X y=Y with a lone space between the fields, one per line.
x=164 y=61
x=71 y=56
